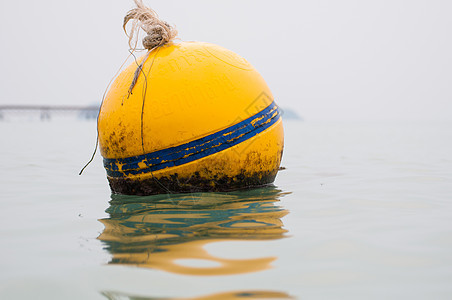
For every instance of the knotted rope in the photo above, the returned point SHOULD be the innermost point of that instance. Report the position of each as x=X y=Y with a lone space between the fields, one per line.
x=158 y=32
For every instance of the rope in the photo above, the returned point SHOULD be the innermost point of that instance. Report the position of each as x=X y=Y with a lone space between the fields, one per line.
x=158 y=32
x=100 y=107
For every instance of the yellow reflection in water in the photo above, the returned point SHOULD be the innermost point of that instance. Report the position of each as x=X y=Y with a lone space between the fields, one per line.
x=160 y=231
x=217 y=296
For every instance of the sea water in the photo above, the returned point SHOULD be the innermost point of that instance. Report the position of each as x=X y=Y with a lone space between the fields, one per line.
x=361 y=211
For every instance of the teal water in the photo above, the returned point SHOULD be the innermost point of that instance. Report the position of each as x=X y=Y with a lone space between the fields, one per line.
x=362 y=211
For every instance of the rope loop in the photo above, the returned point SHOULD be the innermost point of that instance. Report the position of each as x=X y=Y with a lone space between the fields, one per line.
x=158 y=31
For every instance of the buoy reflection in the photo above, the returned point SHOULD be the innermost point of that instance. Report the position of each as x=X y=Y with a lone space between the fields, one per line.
x=219 y=296
x=162 y=231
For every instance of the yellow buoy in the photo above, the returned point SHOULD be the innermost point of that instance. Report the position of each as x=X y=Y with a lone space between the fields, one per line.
x=198 y=118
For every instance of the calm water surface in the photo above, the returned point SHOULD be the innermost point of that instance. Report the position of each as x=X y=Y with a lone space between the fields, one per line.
x=362 y=211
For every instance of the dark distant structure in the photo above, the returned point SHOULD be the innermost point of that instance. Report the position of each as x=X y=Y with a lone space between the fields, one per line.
x=290 y=114
x=46 y=112
x=89 y=112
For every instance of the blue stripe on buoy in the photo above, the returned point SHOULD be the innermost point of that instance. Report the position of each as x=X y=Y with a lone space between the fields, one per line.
x=188 y=152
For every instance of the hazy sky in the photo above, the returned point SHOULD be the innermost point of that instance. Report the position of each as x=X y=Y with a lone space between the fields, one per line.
x=329 y=60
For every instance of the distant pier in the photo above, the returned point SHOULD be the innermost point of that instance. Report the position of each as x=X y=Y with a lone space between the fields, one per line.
x=45 y=112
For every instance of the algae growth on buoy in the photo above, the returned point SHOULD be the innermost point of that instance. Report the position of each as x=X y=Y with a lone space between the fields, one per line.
x=187 y=117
